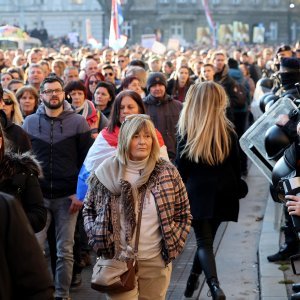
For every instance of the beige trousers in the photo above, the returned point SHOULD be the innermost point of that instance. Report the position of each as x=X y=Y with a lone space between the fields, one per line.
x=152 y=281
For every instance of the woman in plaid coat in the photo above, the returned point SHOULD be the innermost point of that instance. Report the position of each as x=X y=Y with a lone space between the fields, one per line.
x=120 y=182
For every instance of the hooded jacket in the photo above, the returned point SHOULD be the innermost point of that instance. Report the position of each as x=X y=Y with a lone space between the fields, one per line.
x=19 y=177
x=60 y=144
x=164 y=113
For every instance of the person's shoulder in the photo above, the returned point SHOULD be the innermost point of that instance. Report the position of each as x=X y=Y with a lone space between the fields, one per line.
x=166 y=167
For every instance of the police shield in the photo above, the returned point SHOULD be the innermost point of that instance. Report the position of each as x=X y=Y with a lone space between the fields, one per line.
x=253 y=140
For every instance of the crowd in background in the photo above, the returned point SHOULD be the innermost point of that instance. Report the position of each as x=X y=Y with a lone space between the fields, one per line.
x=42 y=86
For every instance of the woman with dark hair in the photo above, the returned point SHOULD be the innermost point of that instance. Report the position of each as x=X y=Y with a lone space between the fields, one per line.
x=178 y=86
x=76 y=93
x=104 y=97
x=91 y=83
x=28 y=99
x=105 y=145
x=19 y=177
x=132 y=83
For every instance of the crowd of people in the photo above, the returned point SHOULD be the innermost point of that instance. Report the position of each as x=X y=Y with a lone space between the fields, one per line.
x=91 y=132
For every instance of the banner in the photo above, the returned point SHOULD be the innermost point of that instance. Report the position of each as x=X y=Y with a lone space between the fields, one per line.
x=116 y=39
x=210 y=20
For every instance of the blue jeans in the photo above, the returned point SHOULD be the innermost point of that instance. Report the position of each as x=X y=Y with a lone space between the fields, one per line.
x=64 y=224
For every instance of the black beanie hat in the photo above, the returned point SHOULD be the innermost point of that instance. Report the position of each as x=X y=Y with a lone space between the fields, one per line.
x=156 y=77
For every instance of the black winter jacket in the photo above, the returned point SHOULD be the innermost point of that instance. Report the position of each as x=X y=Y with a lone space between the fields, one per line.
x=23 y=272
x=61 y=145
x=19 y=177
x=213 y=191
x=165 y=114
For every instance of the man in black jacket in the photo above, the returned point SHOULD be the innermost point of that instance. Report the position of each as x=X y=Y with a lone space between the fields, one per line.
x=163 y=110
x=60 y=140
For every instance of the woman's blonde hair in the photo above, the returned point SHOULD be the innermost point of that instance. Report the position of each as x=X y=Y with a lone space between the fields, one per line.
x=204 y=125
x=132 y=125
x=16 y=117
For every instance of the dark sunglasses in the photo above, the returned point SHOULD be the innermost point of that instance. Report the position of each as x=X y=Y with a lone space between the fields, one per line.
x=8 y=101
x=93 y=82
x=109 y=74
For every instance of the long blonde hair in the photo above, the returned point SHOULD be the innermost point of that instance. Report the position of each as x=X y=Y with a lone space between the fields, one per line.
x=16 y=117
x=204 y=125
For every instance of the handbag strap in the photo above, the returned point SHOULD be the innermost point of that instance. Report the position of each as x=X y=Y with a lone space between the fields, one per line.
x=138 y=225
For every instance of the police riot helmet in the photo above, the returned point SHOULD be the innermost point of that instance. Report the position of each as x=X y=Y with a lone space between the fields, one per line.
x=265 y=99
x=265 y=83
x=276 y=141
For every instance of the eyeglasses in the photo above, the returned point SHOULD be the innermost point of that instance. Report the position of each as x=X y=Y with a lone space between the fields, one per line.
x=109 y=74
x=8 y=101
x=93 y=82
x=51 y=92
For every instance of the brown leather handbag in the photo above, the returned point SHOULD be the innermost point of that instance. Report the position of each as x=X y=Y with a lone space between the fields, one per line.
x=112 y=275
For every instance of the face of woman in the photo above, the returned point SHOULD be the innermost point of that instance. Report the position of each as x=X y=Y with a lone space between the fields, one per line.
x=5 y=79
x=7 y=106
x=102 y=97
x=135 y=86
x=27 y=103
x=77 y=97
x=128 y=107
x=183 y=75
x=93 y=81
x=140 y=146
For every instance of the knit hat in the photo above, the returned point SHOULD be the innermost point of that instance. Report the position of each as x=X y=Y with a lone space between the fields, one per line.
x=290 y=65
x=156 y=77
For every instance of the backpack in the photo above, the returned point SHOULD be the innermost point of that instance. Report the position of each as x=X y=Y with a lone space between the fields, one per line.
x=240 y=96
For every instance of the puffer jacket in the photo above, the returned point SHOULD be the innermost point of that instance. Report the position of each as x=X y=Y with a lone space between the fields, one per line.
x=60 y=144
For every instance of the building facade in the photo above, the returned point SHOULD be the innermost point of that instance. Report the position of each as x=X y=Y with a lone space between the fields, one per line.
x=182 y=18
x=59 y=18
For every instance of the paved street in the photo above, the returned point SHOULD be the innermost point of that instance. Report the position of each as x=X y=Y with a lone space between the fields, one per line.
x=236 y=249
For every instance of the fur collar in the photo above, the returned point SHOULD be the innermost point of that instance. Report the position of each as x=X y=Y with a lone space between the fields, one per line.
x=15 y=163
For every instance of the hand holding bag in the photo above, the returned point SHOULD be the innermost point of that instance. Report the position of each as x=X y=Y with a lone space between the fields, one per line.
x=115 y=275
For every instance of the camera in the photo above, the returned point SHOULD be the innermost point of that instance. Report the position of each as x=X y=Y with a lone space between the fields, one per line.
x=291 y=186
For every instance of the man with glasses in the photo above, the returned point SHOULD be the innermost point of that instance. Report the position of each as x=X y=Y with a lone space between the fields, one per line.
x=60 y=140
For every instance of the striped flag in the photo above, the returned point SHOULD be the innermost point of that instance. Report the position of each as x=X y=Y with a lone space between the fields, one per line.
x=116 y=39
x=210 y=20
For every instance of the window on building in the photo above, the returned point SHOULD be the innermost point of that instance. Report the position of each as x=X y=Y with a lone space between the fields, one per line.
x=256 y=2
x=177 y=29
x=273 y=31
x=236 y=2
x=127 y=28
x=215 y=2
x=163 y=1
x=181 y=1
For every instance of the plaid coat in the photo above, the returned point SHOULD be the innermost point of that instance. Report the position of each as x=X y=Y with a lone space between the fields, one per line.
x=172 y=205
